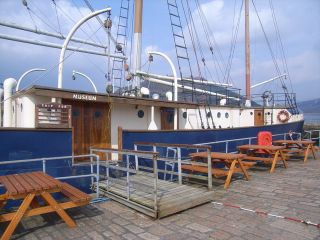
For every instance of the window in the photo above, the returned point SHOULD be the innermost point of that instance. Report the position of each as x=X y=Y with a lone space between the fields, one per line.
x=219 y=114
x=140 y=113
x=226 y=115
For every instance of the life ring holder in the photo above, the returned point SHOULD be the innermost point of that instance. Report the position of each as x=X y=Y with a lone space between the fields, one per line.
x=283 y=116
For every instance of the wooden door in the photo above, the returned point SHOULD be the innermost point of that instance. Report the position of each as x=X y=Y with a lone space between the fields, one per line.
x=91 y=125
x=258 y=117
x=167 y=118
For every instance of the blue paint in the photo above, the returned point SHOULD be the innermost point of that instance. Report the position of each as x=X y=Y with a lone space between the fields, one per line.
x=201 y=136
x=20 y=144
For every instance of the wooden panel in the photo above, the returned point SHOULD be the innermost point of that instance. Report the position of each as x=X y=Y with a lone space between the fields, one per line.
x=258 y=117
x=91 y=125
x=167 y=118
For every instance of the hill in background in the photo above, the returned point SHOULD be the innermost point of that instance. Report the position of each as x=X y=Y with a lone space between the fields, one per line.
x=311 y=106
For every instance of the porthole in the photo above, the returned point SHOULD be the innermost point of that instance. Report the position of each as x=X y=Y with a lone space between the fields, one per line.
x=209 y=114
x=251 y=113
x=184 y=115
x=219 y=126
x=140 y=113
x=97 y=114
x=218 y=114
x=226 y=115
x=75 y=113
x=269 y=113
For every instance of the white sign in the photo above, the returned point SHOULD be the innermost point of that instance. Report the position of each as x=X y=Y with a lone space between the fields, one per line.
x=85 y=97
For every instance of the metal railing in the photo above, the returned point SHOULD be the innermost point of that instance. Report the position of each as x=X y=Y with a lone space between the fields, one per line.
x=45 y=160
x=313 y=135
x=121 y=186
x=249 y=140
x=182 y=157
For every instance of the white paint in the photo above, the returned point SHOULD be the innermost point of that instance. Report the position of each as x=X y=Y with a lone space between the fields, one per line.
x=85 y=76
x=26 y=73
x=8 y=86
x=152 y=125
x=175 y=85
x=1 y=99
x=68 y=38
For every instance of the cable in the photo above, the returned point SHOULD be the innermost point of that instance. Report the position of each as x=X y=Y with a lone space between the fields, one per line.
x=52 y=68
x=55 y=7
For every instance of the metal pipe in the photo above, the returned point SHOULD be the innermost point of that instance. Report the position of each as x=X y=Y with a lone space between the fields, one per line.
x=70 y=34
x=85 y=76
x=270 y=80
x=26 y=73
x=168 y=78
x=42 y=32
x=53 y=45
x=190 y=88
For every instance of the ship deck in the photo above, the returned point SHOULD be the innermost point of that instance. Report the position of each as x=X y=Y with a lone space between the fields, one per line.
x=293 y=193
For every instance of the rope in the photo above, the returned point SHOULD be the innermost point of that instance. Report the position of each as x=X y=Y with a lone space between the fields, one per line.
x=55 y=7
x=307 y=222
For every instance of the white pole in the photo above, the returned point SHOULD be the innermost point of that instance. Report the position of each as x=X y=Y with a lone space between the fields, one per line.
x=59 y=36
x=70 y=34
x=58 y=46
x=270 y=80
x=175 y=79
x=26 y=73
x=85 y=76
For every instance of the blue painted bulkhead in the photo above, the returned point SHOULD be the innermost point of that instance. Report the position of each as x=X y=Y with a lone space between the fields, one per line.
x=21 y=144
x=201 y=137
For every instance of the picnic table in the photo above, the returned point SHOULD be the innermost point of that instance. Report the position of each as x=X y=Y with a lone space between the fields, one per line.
x=30 y=186
x=232 y=162
x=267 y=154
x=298 y=146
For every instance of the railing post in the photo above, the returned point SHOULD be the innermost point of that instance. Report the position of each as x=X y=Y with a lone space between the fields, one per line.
x=128 y=176
x=155 y=189
x=179 y=165
x=136 y=158
x=249 y=141
x=209 y=169
x=227 y=146
x=98 y=175
x=91 y=166
x=108 y=171
x=44 y=165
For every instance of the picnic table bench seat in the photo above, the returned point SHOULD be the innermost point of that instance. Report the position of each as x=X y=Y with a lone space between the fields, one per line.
x=75 y=194
x=29 y=187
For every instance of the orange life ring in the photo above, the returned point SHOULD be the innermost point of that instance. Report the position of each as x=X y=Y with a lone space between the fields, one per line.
x=283 y=116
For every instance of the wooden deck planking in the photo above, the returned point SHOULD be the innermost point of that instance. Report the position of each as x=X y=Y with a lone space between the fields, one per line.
x=172 y=197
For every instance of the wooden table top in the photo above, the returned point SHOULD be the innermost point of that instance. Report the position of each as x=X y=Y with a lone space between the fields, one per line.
x=306 y=142
x=24 y=183
x=261 y=147
x=218 y=155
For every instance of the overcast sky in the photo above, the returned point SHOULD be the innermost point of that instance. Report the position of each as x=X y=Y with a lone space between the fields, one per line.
x=298 y=22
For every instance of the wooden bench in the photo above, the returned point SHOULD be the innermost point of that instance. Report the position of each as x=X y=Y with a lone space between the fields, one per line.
x=29 y=187
x=232 y=162
x=75 y=195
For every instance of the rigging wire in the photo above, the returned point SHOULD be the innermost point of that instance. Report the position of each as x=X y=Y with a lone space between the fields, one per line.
x=55 y=66
x=73 y=21
x=232 y=47
x=55 y=8
x=218 y=59
x=87 y=23
x=284 y=60
x=25 y=3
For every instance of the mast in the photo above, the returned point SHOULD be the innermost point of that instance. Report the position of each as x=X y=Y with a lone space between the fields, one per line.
x=247 y=49
x=137 y=42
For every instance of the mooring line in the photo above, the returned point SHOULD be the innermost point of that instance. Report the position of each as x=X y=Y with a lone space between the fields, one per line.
x=268 y=214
